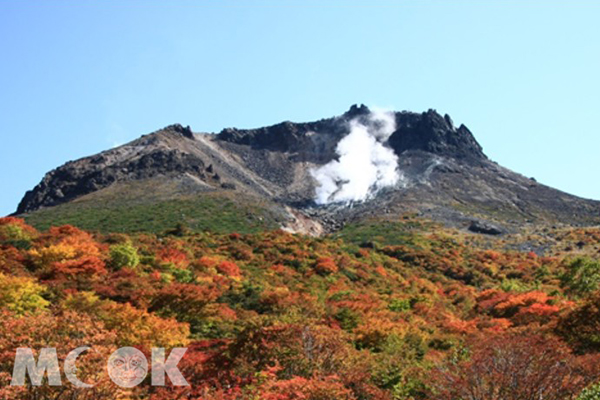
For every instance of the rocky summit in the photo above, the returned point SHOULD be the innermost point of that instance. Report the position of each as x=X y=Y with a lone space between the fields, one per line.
x=439 y=171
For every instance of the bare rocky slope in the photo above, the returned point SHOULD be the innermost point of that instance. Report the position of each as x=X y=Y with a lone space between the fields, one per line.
x=445 y=176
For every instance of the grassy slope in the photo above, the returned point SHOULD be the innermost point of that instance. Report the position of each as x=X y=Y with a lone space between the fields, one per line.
x=215 y=213
x=384 y=232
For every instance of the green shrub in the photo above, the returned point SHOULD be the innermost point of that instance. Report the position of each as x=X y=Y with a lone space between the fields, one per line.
x=590 y=393
x=514 y=285
x=582 y=276
x=181 y=275
x=399 y=305
x=124 y=255
x=347 y=318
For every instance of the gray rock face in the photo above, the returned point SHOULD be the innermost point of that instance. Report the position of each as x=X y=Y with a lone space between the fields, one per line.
x=435 y=134
x=428 y=131
x=137 y=162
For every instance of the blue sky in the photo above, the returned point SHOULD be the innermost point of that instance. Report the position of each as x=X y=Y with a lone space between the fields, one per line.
x=80 y=77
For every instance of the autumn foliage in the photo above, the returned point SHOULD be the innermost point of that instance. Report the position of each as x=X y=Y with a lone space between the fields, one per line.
x=277 y=316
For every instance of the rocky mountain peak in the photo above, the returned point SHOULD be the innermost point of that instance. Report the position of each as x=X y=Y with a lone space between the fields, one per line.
x=313 y=142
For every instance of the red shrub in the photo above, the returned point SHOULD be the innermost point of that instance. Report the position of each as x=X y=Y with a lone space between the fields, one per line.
x=228 y=268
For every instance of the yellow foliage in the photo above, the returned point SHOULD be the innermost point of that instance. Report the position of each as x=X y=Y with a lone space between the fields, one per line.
x=21 y=295
x=134 y=327
x=53 y=253
x=68 y=248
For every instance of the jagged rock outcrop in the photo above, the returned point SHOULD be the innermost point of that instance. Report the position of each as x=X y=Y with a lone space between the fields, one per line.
x=435 y=134
x=185 y=131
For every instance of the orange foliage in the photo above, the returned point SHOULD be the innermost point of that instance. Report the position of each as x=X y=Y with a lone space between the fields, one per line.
x=326 y=266
x=173 y=256
x=85 y=266
x=208 y=262
x=228 y=268
x=456 y=325
x=298 y=388
x=521 y=307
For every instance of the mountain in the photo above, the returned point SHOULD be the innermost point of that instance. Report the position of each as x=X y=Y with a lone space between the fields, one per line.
x=310 y=177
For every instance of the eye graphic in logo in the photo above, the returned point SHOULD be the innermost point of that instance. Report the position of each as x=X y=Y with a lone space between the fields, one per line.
x=127 y=367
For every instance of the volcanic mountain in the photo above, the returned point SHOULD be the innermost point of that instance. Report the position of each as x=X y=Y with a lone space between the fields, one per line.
x=291 y=175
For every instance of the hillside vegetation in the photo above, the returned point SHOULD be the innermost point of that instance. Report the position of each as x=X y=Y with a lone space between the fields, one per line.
x=397 y=311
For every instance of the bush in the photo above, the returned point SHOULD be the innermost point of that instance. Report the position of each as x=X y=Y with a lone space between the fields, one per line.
x=581 y=326
x=582 y=276
x=399 y=305
x=21 y=295
x=14 y=232
x=590 y=393
x=512 y=367
x=326 y=266
x=124 y=255
x=347 y=318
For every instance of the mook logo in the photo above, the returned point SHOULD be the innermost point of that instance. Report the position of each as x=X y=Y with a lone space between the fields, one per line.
x=127 y=367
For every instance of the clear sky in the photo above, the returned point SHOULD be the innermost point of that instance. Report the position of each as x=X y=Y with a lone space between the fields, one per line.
x=79 y=77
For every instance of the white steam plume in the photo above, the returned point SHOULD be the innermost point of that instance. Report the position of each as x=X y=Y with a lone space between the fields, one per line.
x=364 y=165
